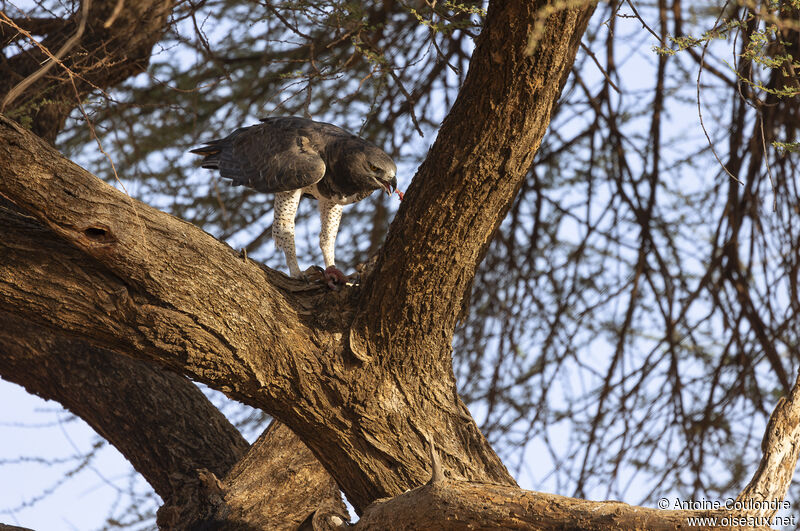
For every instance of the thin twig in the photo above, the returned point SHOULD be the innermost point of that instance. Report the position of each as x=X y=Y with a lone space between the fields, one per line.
x=699 y=107
x=644 y=24
x=600 y=67
x=204 y=43
x=114 y=14
x=766 y=162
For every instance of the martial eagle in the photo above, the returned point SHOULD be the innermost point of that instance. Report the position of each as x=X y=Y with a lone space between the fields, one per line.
x=292 y=157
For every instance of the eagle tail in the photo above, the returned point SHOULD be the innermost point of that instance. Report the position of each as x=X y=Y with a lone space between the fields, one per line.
x=211 y=155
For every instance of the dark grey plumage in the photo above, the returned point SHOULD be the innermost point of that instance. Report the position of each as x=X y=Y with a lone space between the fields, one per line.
x=292 y=156
x=288 y=153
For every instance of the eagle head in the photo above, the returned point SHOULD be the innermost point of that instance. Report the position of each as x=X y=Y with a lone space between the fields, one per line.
x=370 y=168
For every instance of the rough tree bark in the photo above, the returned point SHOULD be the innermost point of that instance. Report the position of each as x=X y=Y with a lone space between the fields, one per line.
x=362 y=376
x=279 y=484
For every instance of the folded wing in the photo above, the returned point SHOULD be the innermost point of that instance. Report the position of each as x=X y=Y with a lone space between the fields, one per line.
x=270 y=157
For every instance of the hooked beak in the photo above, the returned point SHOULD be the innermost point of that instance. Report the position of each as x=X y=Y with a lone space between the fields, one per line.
x=391 y=186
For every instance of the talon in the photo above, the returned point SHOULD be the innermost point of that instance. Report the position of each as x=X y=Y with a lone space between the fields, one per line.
x=334 y=278
x=331 y=276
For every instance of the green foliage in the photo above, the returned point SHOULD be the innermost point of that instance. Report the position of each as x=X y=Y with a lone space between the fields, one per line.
x=684 y=42
x=787 y=147
x=448 y=16
x=24 y=113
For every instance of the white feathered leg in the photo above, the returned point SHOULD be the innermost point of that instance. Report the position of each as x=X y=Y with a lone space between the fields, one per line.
x=283 y=227
x=330 y=214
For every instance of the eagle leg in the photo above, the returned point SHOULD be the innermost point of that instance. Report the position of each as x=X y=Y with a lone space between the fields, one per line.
x=330 y=213
x=283 y=227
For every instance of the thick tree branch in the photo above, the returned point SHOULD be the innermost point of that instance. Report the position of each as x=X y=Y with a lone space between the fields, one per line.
x=179 y=283
x=173 y=435
x=470 y=177
x=193 y=304
x=456 y=506
x=299 y=489
x=169 y=430
x=159 y=421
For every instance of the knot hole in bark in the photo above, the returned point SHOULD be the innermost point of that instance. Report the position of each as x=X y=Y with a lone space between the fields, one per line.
x=98 y=234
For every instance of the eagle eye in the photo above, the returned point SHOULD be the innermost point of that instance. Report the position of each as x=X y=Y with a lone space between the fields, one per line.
x=373 y=167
